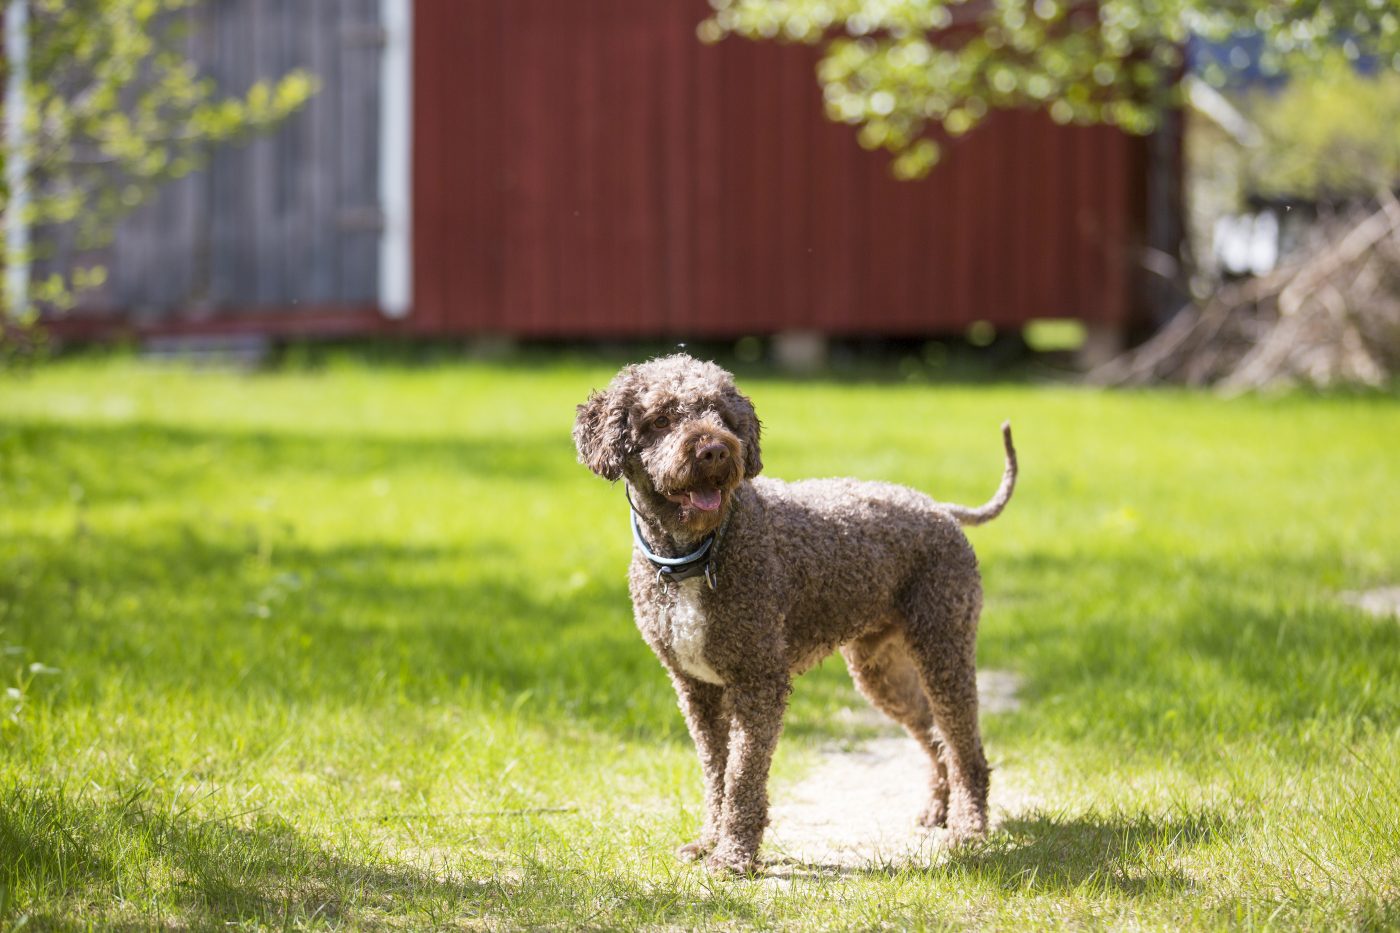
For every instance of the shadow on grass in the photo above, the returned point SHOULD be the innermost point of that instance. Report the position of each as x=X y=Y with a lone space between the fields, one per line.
x=144 y=863
x=1122 y=854
x=137 y=863
x=182 y=610
x=185 y=608
x=1040 y=853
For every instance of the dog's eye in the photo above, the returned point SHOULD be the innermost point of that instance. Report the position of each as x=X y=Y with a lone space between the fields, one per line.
x=660 y=422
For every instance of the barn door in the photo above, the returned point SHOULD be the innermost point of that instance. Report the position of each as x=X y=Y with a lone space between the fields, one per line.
x=289 y=220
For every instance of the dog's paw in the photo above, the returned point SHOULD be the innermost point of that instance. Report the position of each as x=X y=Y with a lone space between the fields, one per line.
x=963 y=835
x=694 y=851
x=726 y=860
x=935 y=815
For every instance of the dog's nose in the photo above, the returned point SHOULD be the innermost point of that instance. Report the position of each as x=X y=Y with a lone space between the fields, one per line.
x=713 y=452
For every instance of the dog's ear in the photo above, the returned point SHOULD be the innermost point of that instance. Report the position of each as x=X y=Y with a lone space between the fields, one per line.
x=749 y=428
x=600 y=433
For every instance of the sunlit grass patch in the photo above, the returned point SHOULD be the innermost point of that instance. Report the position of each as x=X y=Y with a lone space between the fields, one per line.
x=352 y=646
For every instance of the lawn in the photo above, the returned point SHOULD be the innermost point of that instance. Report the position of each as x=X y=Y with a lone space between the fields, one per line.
x=351 y=646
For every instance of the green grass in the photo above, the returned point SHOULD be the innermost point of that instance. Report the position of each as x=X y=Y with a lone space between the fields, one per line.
x=352 y=646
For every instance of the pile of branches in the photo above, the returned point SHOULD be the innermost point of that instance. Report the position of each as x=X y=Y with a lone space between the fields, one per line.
x=1330 y=316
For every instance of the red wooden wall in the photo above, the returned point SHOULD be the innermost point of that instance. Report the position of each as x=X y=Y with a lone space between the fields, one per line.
x=588 y=168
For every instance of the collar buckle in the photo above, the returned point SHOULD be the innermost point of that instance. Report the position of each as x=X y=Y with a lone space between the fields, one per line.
x=674 y=569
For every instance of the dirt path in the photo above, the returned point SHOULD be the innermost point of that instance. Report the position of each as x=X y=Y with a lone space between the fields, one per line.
x=857 y=807
x=1379 y=602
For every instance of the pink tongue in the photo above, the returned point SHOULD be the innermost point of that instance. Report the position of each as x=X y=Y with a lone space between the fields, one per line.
x=706 y=500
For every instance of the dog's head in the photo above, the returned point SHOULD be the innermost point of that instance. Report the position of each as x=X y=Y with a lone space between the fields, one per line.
x=680 y=432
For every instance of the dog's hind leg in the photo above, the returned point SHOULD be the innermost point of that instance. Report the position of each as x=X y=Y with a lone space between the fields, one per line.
x=885 y=674
x=707 y=718
x=942 y=634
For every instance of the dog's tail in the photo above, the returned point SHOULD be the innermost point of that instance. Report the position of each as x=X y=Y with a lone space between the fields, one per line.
x=992 y=509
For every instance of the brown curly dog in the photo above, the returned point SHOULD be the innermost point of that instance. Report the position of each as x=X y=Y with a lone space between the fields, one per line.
x=739 y=584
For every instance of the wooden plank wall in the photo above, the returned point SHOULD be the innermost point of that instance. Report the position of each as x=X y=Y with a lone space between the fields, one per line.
x=289 y=220
x=590 y=169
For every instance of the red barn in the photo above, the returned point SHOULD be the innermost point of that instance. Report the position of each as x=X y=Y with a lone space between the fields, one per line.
x=557 y=169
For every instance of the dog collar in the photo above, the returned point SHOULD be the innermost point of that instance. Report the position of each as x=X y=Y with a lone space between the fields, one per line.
x=699 y=562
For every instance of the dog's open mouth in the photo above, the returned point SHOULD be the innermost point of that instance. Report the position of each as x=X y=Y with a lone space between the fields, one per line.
x=706 y=500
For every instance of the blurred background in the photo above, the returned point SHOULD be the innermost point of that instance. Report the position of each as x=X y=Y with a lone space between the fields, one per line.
x=789 y=175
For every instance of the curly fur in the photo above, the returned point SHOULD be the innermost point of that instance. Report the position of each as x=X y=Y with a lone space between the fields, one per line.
x=879 y=572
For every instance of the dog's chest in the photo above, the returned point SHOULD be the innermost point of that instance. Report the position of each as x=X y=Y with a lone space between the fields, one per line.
x=687 y=627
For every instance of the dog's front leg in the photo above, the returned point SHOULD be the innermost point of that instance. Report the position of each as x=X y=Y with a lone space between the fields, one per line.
x=708 y=721
x=756 y=720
